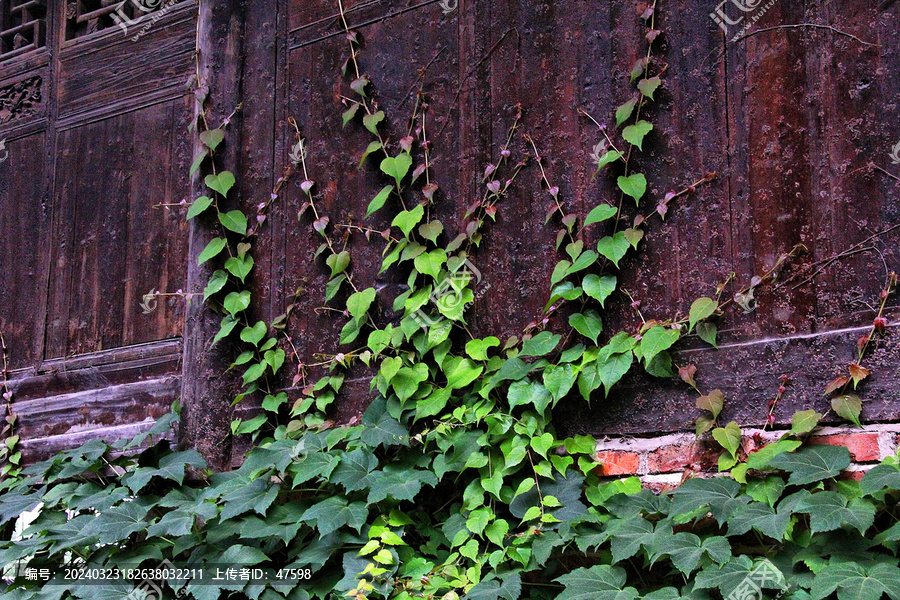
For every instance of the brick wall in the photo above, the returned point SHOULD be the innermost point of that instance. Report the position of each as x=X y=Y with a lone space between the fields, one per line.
x=667 y=460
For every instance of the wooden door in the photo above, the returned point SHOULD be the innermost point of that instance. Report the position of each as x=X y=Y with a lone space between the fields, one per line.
x=792 y=118
x=95 y=114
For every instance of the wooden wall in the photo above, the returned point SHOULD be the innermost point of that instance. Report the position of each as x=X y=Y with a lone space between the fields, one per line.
x=792 y=118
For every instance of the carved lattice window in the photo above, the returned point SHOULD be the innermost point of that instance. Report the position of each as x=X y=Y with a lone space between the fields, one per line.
x=23 y=25
x=84 y=17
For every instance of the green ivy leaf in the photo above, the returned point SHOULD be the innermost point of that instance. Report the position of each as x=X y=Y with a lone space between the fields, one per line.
x=736 y=572
x=397 y=166
x=848 y=406
x=253 y=373
x=348 y=114
x=760 y=459
x=254 y=335
x=234 y=221
x=613 y=247
x=333 y=513
x=370 y=149
x=609 y=157
x=359 y=303
x=213 y=248
x=707 y=332
x=236 y=302
x=338 y=262
x=805 y=421
x=221 y=183
x=881 y=477
x=217 y=281
x=198 y=161
x=634 y=186
x=378 y=201
x=614 y=369
x=560 y=271
x=762 y=518
x=729 y=437
x=853 y=581
x=648 y=86
x=228 y=325
x=431 y=231
x=211 y=138
x=625 y=111
x=506 y=587
x=408 y=379
x=559 y=380
x=371 y=121
x=275 y=359
x=656 y=340
x=430 y=263
x=599 y=287
x=812 y=464
x=829 y=511
x=588 y=324
x=408 y=219
x=334 y=286
x=600 y=582
x=634 y=236
x=541 y=344
x=199 y=205
x=528 y=393
x=477 y=349
x=584 y=261
x=701 y=309
x=719 y=494
x=634 y=134
x=600 y=213
x=239 y=267
x=686 y=550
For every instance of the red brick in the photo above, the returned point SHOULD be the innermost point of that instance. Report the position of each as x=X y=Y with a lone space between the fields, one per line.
x=852 y=475
x=699 y=456
x=615 y=462
x=670 y=459
x=863 y=446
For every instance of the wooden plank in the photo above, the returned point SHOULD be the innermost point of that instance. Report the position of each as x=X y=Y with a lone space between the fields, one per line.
x=208 y=386
x=38 y=449
x=93 y=409
x=111 y=72
x=97 y=370
x=748 y=374
x=115 y=243
x=25 y=223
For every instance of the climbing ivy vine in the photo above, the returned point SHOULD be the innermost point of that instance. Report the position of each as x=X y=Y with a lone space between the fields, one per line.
x=455 y=483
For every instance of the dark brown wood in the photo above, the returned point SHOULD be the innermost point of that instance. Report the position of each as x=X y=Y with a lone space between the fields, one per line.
x=792 y=116
x=206 y=387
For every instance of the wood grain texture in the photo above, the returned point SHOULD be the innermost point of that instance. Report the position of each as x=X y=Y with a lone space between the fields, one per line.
x=113 y=245
x=24 y=247
x=789 y=118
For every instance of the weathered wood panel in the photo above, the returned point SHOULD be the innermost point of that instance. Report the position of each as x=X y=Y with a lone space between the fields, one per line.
x=115 y=243
x=109 y=72
x=790 y=119
x=25 y=223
